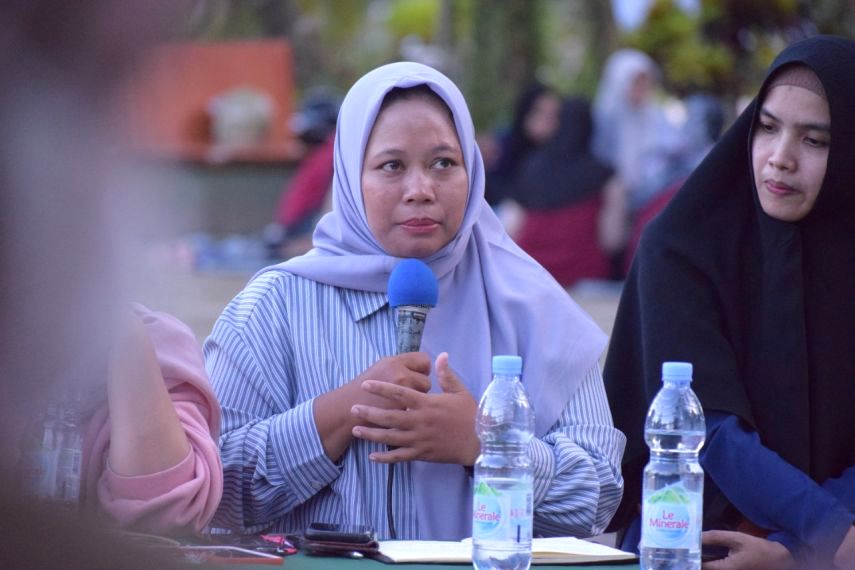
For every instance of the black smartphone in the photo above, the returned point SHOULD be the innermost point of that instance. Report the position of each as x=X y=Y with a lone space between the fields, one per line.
x=332 y=532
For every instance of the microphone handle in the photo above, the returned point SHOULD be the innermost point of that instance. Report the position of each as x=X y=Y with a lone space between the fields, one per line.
x=410 y=326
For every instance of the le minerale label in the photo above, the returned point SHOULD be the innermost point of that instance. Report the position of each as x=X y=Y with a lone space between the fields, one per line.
x=671 y=518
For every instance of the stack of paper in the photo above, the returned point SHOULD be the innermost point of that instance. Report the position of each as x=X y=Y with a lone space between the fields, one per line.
x=560 y=550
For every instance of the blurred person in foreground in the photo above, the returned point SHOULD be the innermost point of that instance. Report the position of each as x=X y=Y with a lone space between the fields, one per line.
x=748 y=274
x=67 y=325
x=316 y=402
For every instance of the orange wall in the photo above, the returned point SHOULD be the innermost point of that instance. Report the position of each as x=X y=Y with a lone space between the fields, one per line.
x=169 y=96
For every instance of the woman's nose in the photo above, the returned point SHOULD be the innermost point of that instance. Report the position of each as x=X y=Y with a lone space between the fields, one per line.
x=419 y=187
x=782 y=156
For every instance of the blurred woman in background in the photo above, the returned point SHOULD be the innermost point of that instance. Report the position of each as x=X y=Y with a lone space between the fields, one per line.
x=535 y=120
x=574 y=208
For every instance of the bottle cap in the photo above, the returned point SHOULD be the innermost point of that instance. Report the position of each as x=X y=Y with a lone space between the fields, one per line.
x=677 y=371
x=507 y=365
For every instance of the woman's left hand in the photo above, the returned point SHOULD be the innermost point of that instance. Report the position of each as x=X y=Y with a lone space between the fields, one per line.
x=747 y=552
x=432 y=427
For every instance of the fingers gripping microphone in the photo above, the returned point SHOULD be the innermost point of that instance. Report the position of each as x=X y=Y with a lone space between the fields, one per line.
x=413 y=291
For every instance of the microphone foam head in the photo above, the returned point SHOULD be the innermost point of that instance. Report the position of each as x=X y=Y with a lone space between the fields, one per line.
x=412 y=283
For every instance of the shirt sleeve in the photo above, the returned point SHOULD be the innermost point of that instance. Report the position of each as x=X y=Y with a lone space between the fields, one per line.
x=770 y=492
x=577 y=479
x=182 y=498
x=273 y=458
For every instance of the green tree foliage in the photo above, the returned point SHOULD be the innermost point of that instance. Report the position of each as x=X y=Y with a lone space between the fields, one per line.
x=506 y=50
x=414 y=17
x=727 y=46
x=689 y=61
x=494 y=48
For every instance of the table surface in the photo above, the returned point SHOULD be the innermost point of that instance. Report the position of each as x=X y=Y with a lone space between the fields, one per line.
x=301 y=561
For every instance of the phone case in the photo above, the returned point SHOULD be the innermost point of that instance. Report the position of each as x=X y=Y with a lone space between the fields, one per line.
x=349 y=549
x=328 y=532
x=322 y=539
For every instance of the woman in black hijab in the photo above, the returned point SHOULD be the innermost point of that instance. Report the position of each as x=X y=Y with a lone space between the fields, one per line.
x=569 y=196
x=534 y=122
x=749 y=274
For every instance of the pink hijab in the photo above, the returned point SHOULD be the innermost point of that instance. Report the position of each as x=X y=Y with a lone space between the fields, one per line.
x=510 y=303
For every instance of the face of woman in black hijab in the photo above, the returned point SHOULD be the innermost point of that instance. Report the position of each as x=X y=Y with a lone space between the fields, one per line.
x=790 y=151
x=542 y=120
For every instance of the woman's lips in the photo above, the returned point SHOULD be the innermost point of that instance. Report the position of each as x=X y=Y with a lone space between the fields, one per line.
x=420 y=226
x=779 y=188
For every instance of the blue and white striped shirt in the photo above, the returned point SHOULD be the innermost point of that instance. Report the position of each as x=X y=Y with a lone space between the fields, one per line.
x=285 y=340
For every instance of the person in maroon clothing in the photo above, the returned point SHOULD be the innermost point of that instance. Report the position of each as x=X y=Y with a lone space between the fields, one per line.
x=305 y=198
x=574 y=205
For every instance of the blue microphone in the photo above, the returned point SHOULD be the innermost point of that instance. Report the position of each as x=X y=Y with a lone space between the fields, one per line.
x=413 y=291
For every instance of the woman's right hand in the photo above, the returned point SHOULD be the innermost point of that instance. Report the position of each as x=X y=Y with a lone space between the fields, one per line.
x=332 y=411
x=409 y=370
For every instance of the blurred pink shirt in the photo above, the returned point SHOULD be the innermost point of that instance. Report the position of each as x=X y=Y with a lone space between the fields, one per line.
x=184 y=497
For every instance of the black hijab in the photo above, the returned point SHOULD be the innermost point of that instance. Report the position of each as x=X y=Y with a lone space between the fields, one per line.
x=563 y=171
x=763 y=308
x=513 y=146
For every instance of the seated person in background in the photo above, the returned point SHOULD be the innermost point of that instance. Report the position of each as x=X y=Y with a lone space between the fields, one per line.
x=748 y=274
x=631 y=132
x=575 y=211
x=699 y=132
x=305 y=198
x=633 y=136
x=535 y=120
x=303 y=360
x=150 y=459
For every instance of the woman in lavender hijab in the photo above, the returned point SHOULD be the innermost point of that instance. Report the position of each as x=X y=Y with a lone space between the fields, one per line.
x=303 y=360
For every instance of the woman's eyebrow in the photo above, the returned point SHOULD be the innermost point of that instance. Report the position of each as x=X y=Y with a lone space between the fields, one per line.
x=825 y=127
x=446 y=148
x=392 y=151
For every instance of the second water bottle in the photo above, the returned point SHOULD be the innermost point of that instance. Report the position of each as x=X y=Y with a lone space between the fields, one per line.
x=672 y=495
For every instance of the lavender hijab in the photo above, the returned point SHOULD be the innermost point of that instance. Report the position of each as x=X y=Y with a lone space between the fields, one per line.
x=510 y=304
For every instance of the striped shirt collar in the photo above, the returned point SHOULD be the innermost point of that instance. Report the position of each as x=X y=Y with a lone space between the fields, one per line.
x=363 y=304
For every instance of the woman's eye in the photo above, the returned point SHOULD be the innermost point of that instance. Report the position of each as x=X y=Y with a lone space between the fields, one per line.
x=391 y=166
x=443 y=163
x=819 y=143
x=767 y=127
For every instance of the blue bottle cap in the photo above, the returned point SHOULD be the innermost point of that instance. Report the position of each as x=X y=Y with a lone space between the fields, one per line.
x=677 y=371
x=507 y=365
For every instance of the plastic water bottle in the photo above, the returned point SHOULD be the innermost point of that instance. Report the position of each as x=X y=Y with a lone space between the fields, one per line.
x=39 y=455
x=502 y=505
x=70 y=461
x=672 y=497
